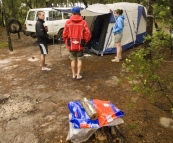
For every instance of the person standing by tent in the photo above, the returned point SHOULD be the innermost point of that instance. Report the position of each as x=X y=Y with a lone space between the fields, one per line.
x=42 y=38
x=118 y=33
x=76 y=33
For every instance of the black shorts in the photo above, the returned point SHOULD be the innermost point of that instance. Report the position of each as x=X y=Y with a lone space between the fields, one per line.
x=43 y=48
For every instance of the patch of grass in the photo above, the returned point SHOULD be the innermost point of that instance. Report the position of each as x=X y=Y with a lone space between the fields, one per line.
x=131 y=105
x=132 y=126
x=3 y=44
x=3 y=39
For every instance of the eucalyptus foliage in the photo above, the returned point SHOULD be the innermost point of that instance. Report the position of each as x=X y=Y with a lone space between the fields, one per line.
x=18 y=8
x=148 y=75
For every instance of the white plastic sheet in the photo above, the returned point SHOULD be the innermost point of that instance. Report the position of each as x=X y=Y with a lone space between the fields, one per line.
x=81 y=135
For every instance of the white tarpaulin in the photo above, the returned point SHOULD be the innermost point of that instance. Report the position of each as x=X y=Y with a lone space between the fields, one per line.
x=83 y=134
x=96 y=9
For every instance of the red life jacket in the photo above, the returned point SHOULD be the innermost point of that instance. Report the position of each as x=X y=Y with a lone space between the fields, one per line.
x=76 y=33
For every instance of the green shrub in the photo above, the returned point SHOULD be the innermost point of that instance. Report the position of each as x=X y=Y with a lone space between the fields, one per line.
x=146 y=66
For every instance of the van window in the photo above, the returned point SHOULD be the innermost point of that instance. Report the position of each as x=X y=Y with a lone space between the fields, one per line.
x=67 y=15
x=31 y=15
x=55 y=15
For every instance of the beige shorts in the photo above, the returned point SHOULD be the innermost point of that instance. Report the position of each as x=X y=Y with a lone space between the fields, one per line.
x=118 y=37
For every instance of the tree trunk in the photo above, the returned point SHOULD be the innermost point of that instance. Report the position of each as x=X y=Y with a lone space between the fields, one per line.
x=8 y=33
x=2 y=18
x=13 y=9
x=171 y=7
x=149 y=28
x=36 y=3
x=29 y=4
x=150 y=17
x=171 y=12
x=85 y=3
x=3 y=25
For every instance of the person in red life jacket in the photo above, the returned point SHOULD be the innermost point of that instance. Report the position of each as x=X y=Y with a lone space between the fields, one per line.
x=75 y=35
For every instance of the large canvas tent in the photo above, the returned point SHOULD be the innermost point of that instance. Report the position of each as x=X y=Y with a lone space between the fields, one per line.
x=100 y=19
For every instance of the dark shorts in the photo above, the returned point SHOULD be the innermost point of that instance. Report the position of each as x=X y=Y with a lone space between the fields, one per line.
x=43 y=48
x=76 y=55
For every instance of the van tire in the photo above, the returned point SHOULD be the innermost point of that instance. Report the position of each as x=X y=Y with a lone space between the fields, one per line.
x=59 y=36
x=14 y=26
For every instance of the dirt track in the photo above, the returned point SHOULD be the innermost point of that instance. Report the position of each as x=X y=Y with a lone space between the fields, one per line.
x=33 y=103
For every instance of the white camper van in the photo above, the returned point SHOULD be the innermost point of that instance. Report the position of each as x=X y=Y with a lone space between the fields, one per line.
x=54 y=21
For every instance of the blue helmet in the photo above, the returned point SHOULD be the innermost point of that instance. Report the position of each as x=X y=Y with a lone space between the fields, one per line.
x=75 y=9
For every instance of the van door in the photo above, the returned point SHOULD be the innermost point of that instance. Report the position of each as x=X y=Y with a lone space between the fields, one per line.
x=31 y=21
x=54 y=20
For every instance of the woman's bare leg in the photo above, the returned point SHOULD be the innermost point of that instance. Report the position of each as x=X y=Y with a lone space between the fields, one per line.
x=119 y=49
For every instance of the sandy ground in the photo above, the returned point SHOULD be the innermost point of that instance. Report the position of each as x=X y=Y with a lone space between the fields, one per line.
x=33 y=103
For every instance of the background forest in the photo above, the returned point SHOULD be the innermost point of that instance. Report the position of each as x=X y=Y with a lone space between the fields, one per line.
x=162 y=9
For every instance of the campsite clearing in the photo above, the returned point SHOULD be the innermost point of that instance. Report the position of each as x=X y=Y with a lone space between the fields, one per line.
x=33 y=103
